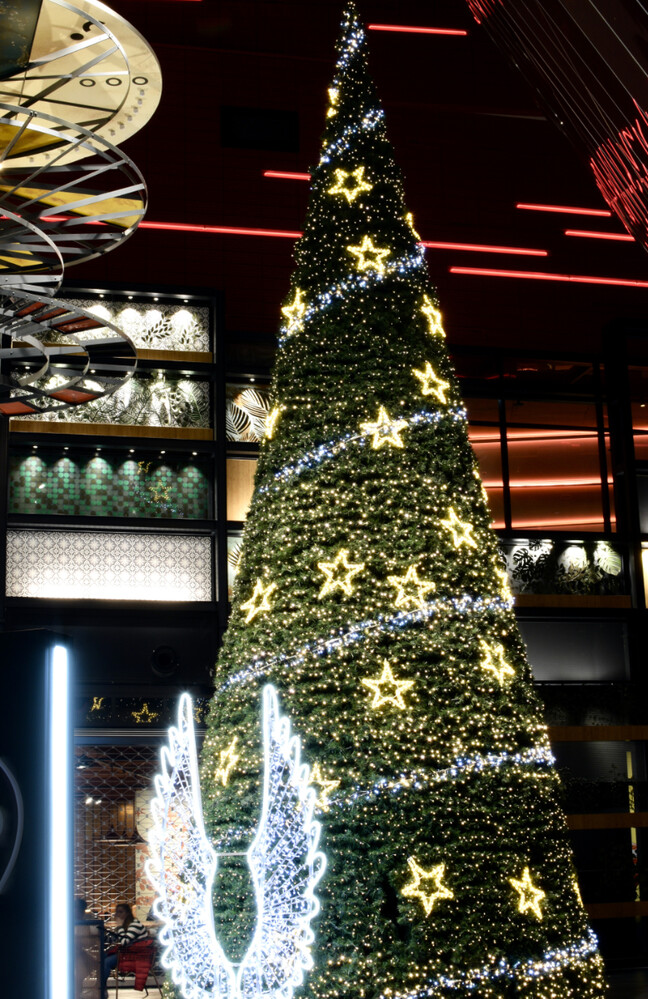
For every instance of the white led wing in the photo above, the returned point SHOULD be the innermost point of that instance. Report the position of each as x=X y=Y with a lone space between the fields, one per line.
x=181 y=868
x=285 y=865
x=284 y=862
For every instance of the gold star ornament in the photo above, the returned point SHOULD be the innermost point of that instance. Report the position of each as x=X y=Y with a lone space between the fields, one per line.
x=339 y=574
x=431 y=384
x=495 y=662
x=384 y=430
x=427 y=886
x=271 y=421
x=350 y=191
x=228 y=759
x=433 y=316
x=387 y=689
x=295 y=312
x=461 y=530
x=145 y=715
x=259 y=602
x=411 y=589
x=369 y=257
x=530 y=896
x=327 y=787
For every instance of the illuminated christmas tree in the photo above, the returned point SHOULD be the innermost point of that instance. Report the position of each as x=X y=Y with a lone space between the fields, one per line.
x=371 y=595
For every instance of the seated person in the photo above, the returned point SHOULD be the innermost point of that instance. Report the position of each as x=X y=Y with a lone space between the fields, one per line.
x=129 y=933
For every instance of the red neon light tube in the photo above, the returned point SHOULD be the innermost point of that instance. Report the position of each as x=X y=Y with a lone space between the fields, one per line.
x=223 y=229
x=542 y=276
x=482 y=248
x=565 y=209
x=286 y=175
x=416 y=31
x=620 y=237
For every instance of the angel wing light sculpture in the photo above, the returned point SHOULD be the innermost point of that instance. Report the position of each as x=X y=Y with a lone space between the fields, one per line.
x=284 y=861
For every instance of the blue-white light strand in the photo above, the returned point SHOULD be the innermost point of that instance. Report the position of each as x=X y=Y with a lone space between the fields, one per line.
x=261 y=665
x=331 y=449
x=550 y=962
x=364 y=279
x=463 y=766
x=372 y=119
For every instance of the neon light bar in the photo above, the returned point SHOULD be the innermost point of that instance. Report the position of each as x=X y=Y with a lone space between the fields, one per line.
x=538 y=525
x=223 y=229
x=565 y=209
x=483 y=248
x=59 y=847
x=286 y=175
x=416 y=31
x=621 y=237
x=542 y=276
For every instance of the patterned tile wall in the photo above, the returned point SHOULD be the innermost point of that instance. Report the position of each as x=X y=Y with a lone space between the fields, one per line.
x=108 y=486
x=108 y=565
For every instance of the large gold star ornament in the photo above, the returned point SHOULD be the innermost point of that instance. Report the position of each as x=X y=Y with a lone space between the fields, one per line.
x=295 y=312
x=145 y=715
x=369 y=257
x=417 y=887
x=384 y=430
x=327 y=787
x=228 y=759
x=259 y=602
x=387 y=689
x=433 y=316
x=530 y=896
x=350 y=191
x=411 y=589
x=431 y=384
x=495 y=662
x=339 y=574
x=461 y=530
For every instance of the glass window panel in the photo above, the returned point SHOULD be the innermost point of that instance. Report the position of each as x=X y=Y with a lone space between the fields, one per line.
x=584 y=650
x=246 y=410
x=554 y=468
x=240 y=486
x=484 y=434
x=571 y=567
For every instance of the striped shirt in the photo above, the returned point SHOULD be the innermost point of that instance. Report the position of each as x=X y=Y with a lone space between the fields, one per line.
x=132 y=934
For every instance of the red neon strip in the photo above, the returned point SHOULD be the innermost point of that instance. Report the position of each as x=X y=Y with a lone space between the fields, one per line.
x=565 y=209
x=223 y=229
x=286 y=175
x=541 y=276
x=540 y=524
x=588 y=234
x=481 y=248
x=416 y=31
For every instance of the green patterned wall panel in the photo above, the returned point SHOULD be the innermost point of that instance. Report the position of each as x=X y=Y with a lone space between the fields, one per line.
x=108 y=486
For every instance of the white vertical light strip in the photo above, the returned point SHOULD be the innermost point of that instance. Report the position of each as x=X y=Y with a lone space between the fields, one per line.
x=60 y=882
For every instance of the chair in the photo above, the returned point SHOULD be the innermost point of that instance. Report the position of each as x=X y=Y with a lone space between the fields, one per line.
x=138 y=959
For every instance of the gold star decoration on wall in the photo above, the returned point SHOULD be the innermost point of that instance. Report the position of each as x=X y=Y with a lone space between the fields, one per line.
x=97 y=703
x=159 y=492
x=433 y=316
x=461 y=530
x=407 y=584
x=259 y=602
x=350 y=192
x=417 y=887
x=144 y=715
x=295 y=312
x=228 y=759
x=327 y=787
x=339 y=574
x=495 y=662
x=387 y=689
x=431 y=384
x=530 y=896
x=369 y=257
x=384 y=430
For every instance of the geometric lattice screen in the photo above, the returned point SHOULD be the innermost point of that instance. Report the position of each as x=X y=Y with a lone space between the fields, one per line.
x=113 y=793
x=108 y=565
